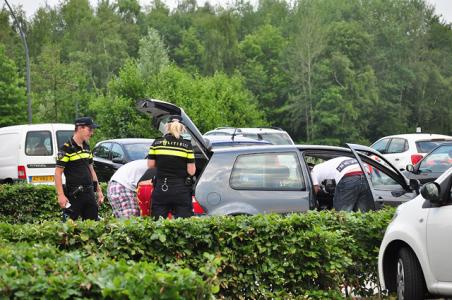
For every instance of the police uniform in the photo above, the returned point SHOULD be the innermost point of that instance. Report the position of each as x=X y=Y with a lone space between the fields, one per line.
x=352 y=191
x=172 y=193
x=79 y=183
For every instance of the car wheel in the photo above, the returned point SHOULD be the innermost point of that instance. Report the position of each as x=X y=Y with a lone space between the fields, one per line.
x=410 y=280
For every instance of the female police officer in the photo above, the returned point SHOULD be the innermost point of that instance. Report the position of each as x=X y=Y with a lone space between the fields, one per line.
x=174 y=160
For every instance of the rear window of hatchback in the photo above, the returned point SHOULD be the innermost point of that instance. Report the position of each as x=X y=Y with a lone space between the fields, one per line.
x=428 y=146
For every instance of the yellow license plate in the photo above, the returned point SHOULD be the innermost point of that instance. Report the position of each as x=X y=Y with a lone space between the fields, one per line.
x=42 y=179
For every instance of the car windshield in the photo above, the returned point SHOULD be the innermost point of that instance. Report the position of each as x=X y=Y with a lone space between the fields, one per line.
x=137 y=151
x=439 y=160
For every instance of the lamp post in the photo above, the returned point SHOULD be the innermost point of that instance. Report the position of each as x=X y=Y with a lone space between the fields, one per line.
x=27 y=60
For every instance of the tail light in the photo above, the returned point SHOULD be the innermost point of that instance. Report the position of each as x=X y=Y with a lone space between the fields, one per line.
x=197 y=209
x=415 y=158
x=21 y=173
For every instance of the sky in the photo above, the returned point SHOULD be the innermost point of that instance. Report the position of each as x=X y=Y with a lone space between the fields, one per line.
x=442 y=7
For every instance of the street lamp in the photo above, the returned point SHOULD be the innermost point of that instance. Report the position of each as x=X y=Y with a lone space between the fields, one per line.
x=27 y=57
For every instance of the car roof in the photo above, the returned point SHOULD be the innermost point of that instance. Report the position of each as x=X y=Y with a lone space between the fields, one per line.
x=279 y=148
x=418 y=136
x=128 y=141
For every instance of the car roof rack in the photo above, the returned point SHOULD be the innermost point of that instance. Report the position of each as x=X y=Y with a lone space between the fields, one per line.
x=259 y=127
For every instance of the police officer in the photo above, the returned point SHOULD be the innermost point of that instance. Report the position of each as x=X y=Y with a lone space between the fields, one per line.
x=352 y=191
x=75 y=160
x=174 y=160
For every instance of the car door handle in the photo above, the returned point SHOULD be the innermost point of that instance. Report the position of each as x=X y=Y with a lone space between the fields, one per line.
x=397 y=159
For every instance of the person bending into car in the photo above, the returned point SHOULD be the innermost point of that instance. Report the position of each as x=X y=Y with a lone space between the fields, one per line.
x=174 y=160
x=122 y=188
x=75 y=160
x=352 y=191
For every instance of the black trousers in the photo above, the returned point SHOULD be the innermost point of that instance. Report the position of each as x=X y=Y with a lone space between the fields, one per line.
x=172 y=195
x=83 y=203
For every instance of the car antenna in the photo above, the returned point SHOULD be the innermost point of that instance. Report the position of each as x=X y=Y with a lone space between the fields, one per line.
x=234 y=134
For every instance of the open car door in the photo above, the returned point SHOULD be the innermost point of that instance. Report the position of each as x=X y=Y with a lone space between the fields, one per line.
x=161 y=112
x=388 y=185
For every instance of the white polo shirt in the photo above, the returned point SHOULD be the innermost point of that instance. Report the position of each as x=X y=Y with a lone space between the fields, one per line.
x=129 y=174
x=334 y=168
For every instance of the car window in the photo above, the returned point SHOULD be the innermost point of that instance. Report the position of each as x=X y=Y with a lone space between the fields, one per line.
x=437 y=161
x=117 y=152
x=102 y=150
x=137 y=151
x=381 y=145
x=398 y=146
x=427 y=146
x=38 y=143
x=63 y=136
x=380 y=180
x=267 y=171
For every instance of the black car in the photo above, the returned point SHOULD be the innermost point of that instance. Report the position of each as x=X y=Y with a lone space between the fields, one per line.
x=109 y=155
x=432 y=165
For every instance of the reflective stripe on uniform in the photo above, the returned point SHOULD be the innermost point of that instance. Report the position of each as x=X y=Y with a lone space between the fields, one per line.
x=76 y=156
x=174 y=151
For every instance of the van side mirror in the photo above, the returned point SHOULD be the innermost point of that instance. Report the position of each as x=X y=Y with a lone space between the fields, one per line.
x=410 y=168
x=431 y=191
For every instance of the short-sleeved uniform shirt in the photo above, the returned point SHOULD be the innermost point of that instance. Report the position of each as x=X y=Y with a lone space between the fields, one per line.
x=335 y=169
x=75 y=160
x=171 y=156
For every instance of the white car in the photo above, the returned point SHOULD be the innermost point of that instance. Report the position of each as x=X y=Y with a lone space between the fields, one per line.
x=404 y=149
x=415 y=258
x=274 y=135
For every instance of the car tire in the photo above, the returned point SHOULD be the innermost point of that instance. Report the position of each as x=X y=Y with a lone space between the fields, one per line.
x=409 y=279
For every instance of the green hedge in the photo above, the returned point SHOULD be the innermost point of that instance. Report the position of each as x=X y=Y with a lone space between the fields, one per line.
x=300 y=255
x=44 y=272
x=25 y=203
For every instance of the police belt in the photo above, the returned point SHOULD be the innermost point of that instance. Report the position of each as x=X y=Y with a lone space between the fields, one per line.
x=75 y=189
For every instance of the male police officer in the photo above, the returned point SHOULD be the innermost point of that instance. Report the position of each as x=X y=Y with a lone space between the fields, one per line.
x=75 y=160
x=352 y=191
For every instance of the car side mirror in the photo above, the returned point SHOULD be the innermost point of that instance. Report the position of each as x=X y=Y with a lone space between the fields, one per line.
x=431 y=191
x=118 y=160
x=410 y=168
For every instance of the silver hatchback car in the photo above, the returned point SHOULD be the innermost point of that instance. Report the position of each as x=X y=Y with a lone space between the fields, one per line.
x=275 y=178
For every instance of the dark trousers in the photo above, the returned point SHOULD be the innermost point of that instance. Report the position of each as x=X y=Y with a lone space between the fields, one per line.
x=352 y=193
x=173 y=196
x=83 y=203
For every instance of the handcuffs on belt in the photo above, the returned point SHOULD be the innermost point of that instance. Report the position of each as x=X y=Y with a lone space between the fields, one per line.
x=164 y=185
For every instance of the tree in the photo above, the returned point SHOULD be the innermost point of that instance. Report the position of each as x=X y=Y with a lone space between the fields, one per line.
x=153 y=55
x=303 y=56
x=261 y=56
x=59 y=88
x=13 y=103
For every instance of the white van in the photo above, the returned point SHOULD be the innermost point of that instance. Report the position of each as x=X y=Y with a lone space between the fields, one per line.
x=28 y=152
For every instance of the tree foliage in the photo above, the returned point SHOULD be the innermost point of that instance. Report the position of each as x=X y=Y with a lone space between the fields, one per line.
x=12 y=95
x=327 y=71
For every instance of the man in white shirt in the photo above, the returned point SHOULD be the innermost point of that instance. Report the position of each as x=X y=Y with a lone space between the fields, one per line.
x=122 y=188
x=352 y=191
